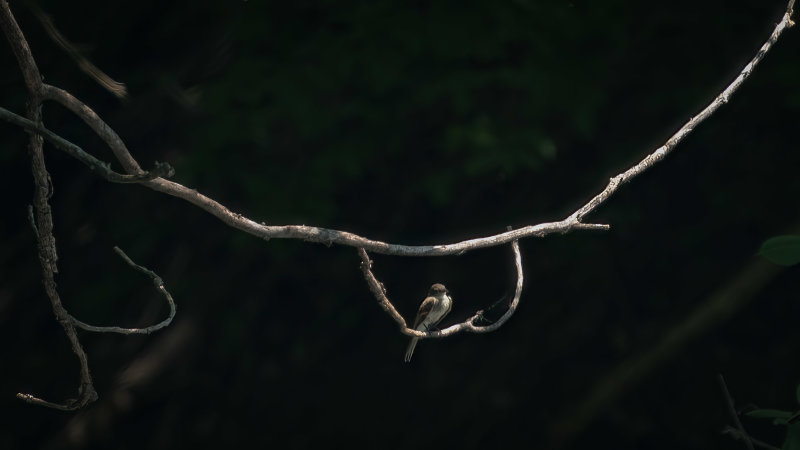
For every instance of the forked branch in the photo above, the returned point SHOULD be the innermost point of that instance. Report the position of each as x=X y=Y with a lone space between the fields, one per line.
x=86 y=391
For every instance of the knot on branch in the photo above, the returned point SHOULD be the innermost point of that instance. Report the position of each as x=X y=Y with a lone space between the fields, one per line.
x=162 y=170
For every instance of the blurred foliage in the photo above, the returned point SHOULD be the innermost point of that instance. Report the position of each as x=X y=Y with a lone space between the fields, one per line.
x=372 y=84
x=783 y=250
x=787 y=418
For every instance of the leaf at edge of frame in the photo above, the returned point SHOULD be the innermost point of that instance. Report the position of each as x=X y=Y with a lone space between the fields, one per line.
x=769 y=414
x=782 y=250
x=792 y=441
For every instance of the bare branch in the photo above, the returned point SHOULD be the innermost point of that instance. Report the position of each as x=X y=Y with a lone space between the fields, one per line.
x=379 y=291
x=512 y=307
x=43 y=224
x=722 y=98
x=308 y=233
x=732 y=409
x=738 y=435
x=95 y=165
x=158 y=282
x=105 y=132
x=40 y=214
x=330 y=236
x=45 y=240
x=14 y=36
x=86 y=391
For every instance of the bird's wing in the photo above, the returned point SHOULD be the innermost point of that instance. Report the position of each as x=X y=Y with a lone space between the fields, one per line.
x=424 y=309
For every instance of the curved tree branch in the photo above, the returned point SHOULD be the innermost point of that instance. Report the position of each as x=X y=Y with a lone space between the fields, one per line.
x=470 y=324
x=158 y=282
x=329 y=236
x=722 y=98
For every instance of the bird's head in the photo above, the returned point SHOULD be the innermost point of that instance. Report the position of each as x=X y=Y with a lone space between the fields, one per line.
x=437 y=290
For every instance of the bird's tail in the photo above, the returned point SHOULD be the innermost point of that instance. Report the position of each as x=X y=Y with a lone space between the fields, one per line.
x=410 y=349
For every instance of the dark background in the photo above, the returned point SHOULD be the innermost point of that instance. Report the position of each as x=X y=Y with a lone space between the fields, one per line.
x=415 y=123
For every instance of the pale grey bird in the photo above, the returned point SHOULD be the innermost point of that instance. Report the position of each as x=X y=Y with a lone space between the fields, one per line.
x=432 y=310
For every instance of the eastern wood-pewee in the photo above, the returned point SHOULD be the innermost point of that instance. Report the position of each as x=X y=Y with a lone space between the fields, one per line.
x=432 y=310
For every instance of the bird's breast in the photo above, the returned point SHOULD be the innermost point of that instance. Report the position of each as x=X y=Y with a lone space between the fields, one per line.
x=439 y=310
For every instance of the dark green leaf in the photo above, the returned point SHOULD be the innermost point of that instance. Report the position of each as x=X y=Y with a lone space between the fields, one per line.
x=792 y=441
x=782 y=250
x=797 y=393
x=769 y=414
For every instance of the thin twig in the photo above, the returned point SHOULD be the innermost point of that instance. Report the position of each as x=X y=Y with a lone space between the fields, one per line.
x=158 y=282
x=87 y=393
x=512 y=307
x=738 y=435
x=379 y=291
x=732 y=409
x=95 y=165
x=615 y=182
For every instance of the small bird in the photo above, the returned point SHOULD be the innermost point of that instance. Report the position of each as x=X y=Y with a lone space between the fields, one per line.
x=432 y=310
